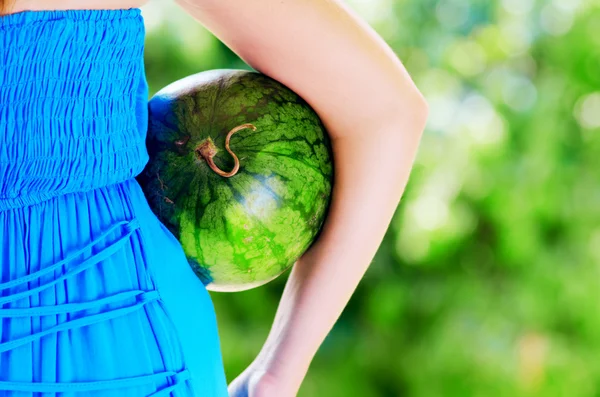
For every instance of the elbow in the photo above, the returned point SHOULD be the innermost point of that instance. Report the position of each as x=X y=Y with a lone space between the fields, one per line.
x=422 y=104
x=411 y=113
x=420 y=109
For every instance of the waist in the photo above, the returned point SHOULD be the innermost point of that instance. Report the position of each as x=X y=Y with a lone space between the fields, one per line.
x=58 y=145
x=76 y=167
x=55 y=146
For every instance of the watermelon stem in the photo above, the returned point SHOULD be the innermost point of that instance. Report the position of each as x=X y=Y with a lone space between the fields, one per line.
x=207 y=151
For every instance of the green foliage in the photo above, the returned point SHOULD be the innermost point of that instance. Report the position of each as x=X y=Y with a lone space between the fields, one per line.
x=487 y=282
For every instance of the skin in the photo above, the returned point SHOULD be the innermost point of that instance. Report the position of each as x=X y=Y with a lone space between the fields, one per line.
x=375 y=117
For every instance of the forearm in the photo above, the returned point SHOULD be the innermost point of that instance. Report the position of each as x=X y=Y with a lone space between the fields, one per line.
x=371 y=172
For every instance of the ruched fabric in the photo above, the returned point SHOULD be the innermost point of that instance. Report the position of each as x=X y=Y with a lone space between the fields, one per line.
x=81 y=310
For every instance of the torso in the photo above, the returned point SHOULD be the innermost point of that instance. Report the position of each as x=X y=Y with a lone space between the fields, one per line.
x=36 y=5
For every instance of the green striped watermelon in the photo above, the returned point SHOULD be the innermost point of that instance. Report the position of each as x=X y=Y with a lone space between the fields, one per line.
x=240 y=172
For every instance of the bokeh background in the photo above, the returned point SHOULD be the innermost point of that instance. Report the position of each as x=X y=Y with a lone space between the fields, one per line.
x=487 y=282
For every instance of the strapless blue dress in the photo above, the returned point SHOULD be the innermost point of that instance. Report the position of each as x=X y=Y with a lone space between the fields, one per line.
x=96 y=296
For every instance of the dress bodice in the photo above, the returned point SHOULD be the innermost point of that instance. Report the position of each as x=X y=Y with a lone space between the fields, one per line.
x=73 y=102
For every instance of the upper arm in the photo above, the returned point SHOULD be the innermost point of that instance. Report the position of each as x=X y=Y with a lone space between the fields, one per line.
x=325 y=53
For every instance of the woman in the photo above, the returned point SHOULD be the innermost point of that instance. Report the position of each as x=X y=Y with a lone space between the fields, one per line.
x=95 y=289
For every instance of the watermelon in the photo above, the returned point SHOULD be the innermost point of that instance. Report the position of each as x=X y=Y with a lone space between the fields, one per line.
x=240 y=172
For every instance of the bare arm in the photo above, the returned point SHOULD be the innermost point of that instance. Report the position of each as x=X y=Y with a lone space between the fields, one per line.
x=375 y=116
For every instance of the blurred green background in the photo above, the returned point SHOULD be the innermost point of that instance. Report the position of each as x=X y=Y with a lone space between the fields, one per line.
x=487 y=282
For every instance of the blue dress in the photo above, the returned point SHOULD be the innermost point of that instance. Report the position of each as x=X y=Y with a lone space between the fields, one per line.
x=96 y=296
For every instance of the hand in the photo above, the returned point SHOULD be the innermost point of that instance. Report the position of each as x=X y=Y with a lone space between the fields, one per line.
x=258 y=382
